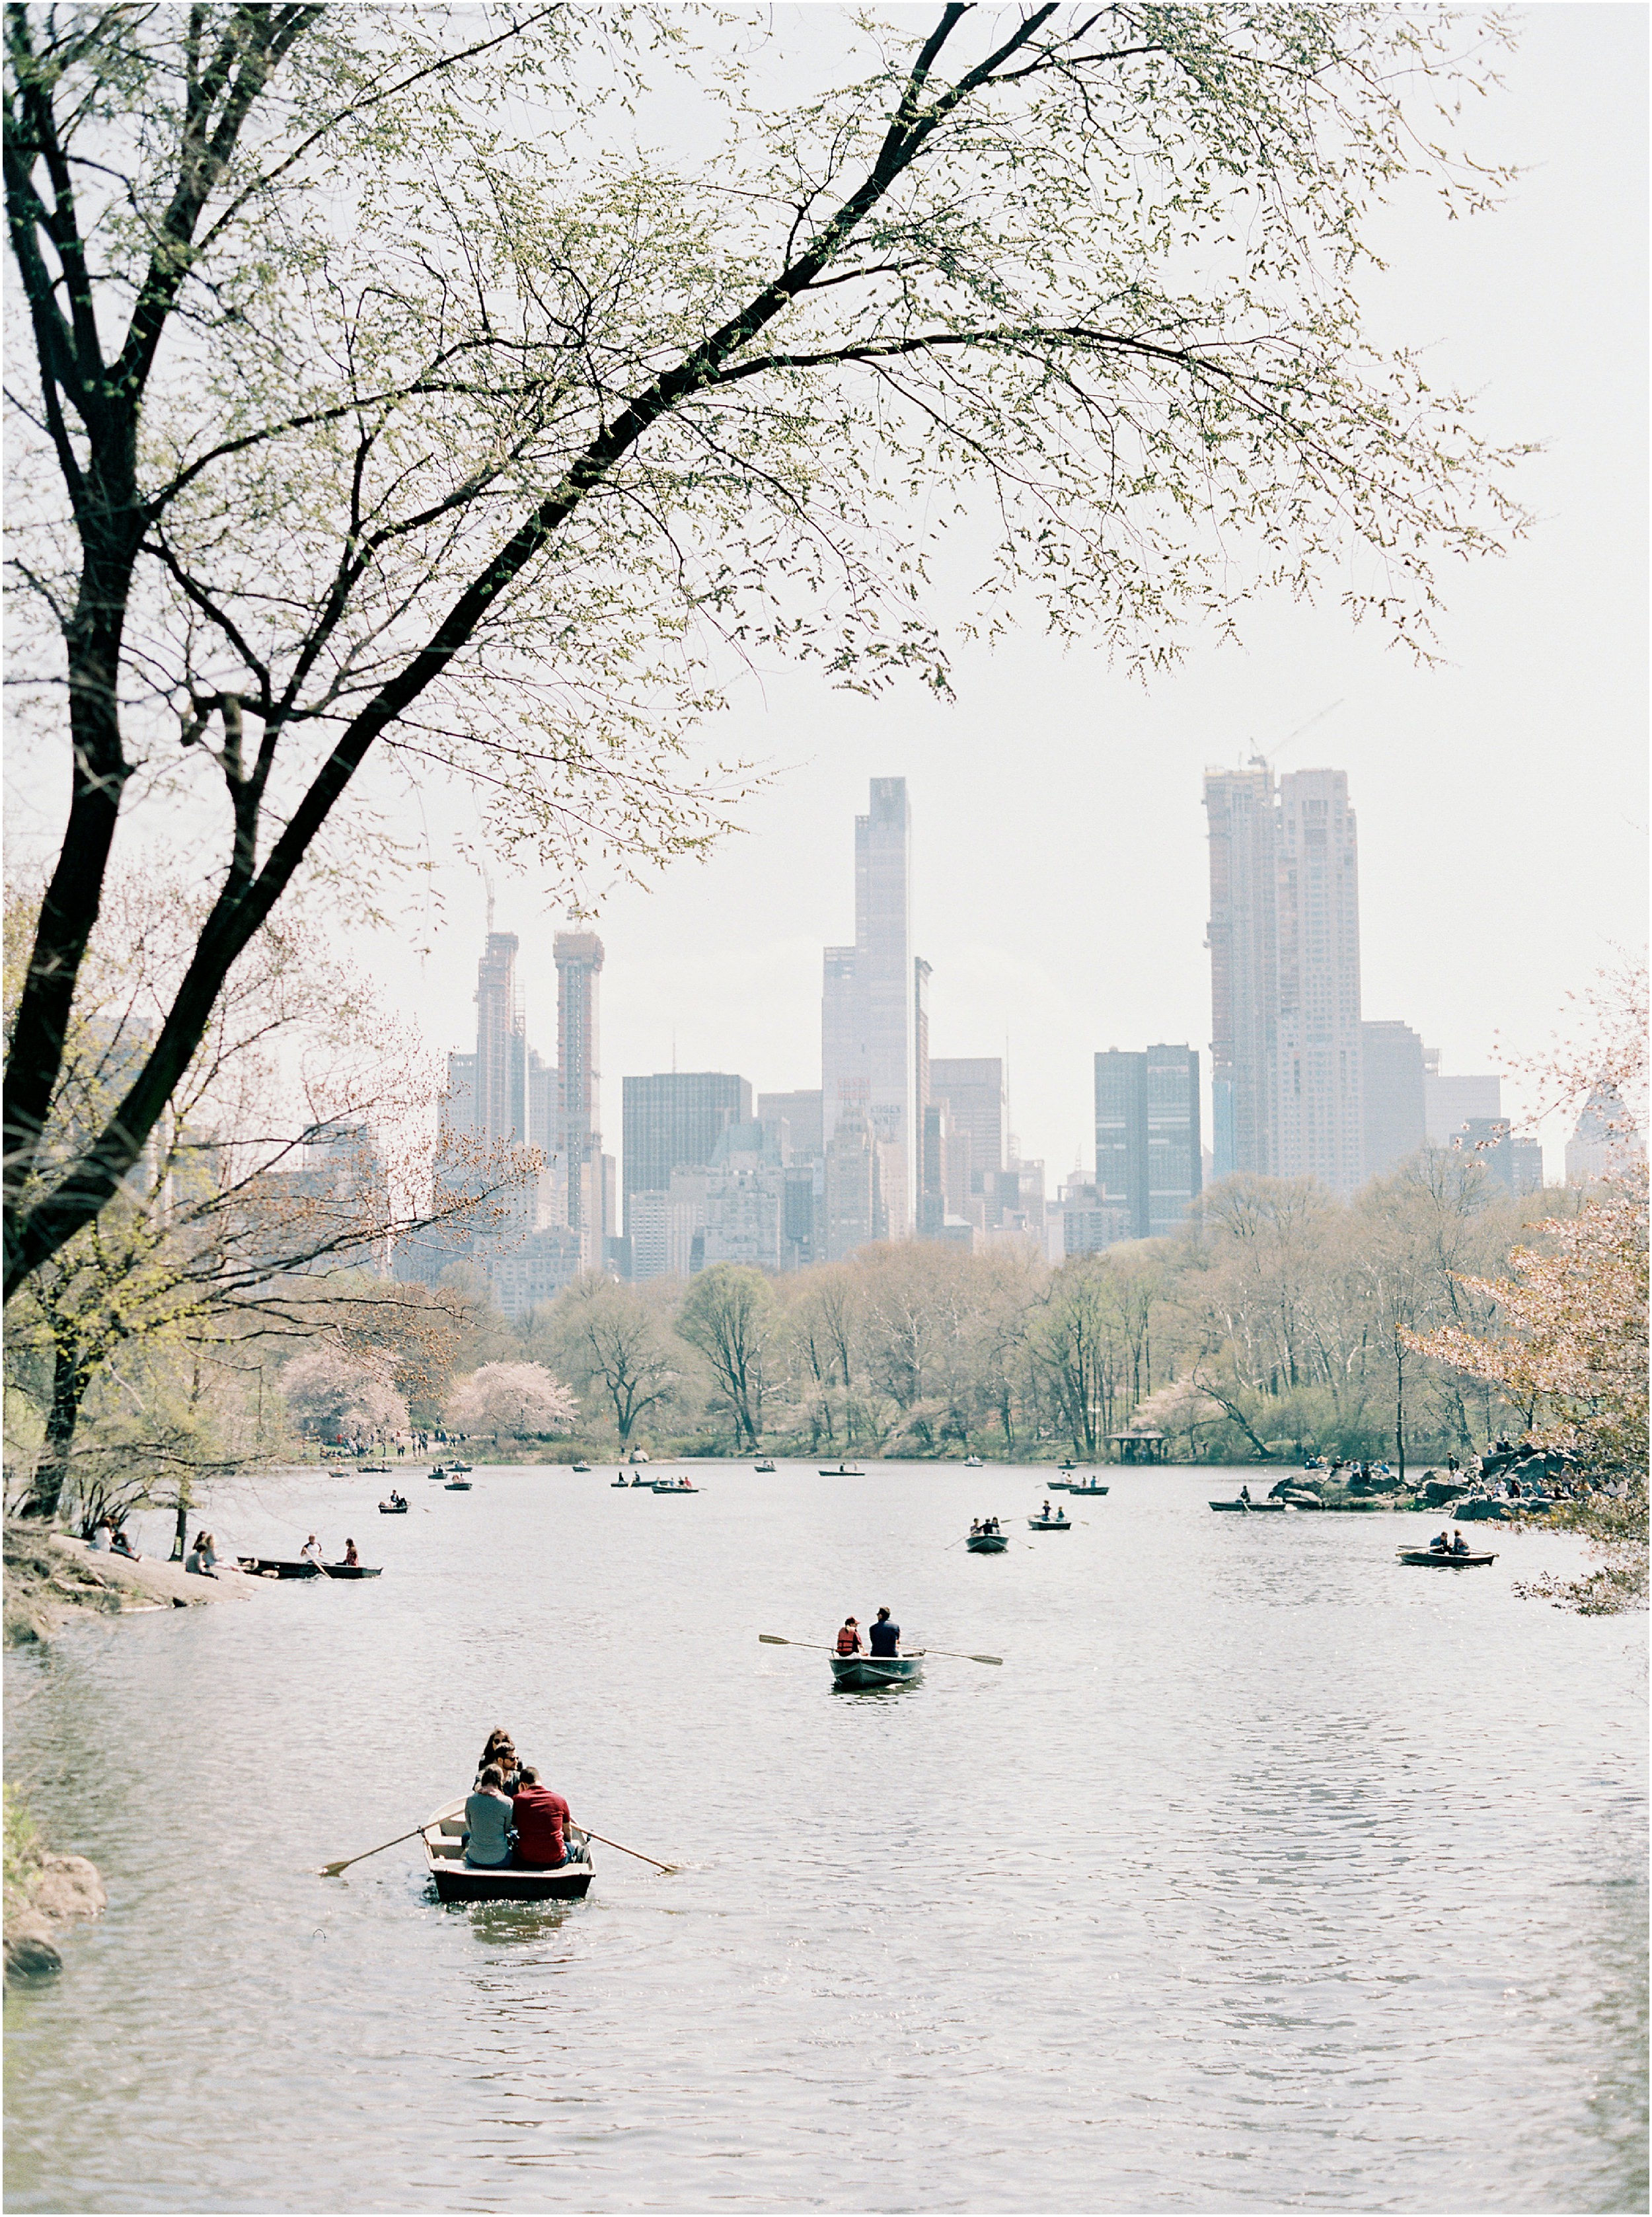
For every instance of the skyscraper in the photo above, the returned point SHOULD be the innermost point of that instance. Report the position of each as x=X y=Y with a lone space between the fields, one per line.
x=673 y=1121
x=971 y=1087
x=1148 y=1160
x=1287 y=1093
x=501 y=1095
x=578 y=956
x=1243 y=941
x=1395 y=1112
x=1449 y=1101
x=1320 y=1096
x=868 y=1051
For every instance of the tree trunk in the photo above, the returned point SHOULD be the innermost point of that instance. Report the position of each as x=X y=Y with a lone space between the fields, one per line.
x=69 y=1382
x=180 y=1530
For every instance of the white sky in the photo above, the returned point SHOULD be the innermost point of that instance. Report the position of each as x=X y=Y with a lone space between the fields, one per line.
x=1060 y=882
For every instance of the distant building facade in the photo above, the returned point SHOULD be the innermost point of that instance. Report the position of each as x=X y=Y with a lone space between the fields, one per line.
x=1287 y=1093
x=1516 y=1164
x=578 y=958
x=1448 y=1102
x=1602 y=1141
x=1148 y=1154
x=674 y=1120
x=1396 y=1119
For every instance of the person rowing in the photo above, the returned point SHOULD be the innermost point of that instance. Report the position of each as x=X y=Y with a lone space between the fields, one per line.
x=1442 y=1545
x=884 y=1637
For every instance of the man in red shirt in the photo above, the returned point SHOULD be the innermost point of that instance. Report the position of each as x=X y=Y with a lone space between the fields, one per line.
x=541 y=1818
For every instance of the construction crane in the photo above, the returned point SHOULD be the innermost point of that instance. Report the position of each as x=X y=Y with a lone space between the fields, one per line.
x=1266 y=762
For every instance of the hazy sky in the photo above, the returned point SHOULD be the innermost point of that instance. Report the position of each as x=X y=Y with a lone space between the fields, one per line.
x=1060 y=882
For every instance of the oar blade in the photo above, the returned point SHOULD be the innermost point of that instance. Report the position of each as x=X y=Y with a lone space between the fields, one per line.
x=773 y=1639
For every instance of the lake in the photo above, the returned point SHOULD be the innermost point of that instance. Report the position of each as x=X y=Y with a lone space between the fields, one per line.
x=1264 y=1873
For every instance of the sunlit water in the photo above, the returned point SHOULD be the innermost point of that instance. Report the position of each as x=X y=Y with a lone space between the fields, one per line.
x=1265 y=1873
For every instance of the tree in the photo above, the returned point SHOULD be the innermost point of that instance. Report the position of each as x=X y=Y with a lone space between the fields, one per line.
x=522 y=1399
x=289 y=1153
x=730 y=1315
x=344 y=1395
x=379 y=397
x=608 y=1336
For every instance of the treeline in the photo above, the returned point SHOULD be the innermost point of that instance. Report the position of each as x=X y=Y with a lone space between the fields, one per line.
x=1280 y=1322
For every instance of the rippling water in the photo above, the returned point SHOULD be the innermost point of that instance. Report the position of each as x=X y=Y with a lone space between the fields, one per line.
x=1264 y=1873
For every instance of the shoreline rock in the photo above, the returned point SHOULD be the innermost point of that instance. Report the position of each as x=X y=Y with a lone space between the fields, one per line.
x=44 y=1894
x=52 y=1580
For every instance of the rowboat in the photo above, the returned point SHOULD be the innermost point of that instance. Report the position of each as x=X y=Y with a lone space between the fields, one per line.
x=643 y=1481
x=675 y=1485
x=624 y=1484
x=461 y=1466
x=972 y=1462
x=459 y=1485
x=375 y=1470
x=275 y=1567
x=864 y=1674
x=1255 y=1508
x=843 y=1470
x=1091 y=1488
x=1049 y=1524
x=392 y=1509
x=457 y=1881
x=987 y=1543
x=582 y=1466
x=1435 y=1556
x=765 y=1467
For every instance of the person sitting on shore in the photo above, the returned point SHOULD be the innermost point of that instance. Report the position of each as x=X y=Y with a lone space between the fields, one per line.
x=194 y=1561
x=541 y=1820
x=103 y=1537
x=487 y=1821
x=885 y=1638
x=119 y=1545
x=848 y=1640
x=207 y=1547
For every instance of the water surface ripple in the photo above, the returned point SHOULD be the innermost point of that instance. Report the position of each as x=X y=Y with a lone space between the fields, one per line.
x=1265 y=1874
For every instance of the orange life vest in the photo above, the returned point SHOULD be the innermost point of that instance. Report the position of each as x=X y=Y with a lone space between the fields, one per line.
x=848 y=1640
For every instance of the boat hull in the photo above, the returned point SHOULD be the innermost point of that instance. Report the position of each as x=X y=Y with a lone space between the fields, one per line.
x=1050 y=1524
x=268 y=1567
x=865 y=1673
x=392 y=1509
x=1426 y=1557
x=354 y=1569
x=457 y=1485
x=1092 y=1490
x=986 y=1543
x=842 y=1471
x=457 y=1881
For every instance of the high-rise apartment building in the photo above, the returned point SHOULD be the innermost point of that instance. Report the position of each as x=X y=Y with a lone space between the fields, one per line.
x=868 y=1053
x=1450 y=1101
x=1149 y=1159
x=971 y=1087
x=673 y=1121
x=1396 y=1123
x=1244 y=941
x=578 y=956
x=1287 y=1092
x=853 y=1211
x=1321 y=1093
x=501 y=1043
x=794 y=1121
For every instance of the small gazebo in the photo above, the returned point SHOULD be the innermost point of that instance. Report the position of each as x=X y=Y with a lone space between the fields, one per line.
x=1137 y=1447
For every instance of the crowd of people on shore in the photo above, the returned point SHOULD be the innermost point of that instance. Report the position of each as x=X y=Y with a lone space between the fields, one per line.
x=513 y=1818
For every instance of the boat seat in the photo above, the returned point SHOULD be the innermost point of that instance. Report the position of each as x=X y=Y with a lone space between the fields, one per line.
x=453 y=1828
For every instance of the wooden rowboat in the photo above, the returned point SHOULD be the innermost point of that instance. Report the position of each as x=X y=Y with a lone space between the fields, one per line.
x=864 y=1674
x=273 y=1566
x=458 y=1485
x=392 y=1509
x=443 y=1837
x=1436 y=1557
x=844 y=1470
x=987 y=1543
x=1049 y=1524
x=674 y=1486
x=1089 y=1489
x=765 y=1467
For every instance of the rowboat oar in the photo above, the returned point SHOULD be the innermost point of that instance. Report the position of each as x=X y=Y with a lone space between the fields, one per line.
x=774 y=1640
x=670 y=1869
x=332 y=1870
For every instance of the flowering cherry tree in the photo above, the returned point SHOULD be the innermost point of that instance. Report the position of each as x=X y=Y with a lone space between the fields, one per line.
x=345 y=1394
x=519 y=1400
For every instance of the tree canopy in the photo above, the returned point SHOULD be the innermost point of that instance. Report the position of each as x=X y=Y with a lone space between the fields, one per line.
x=383 y=392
